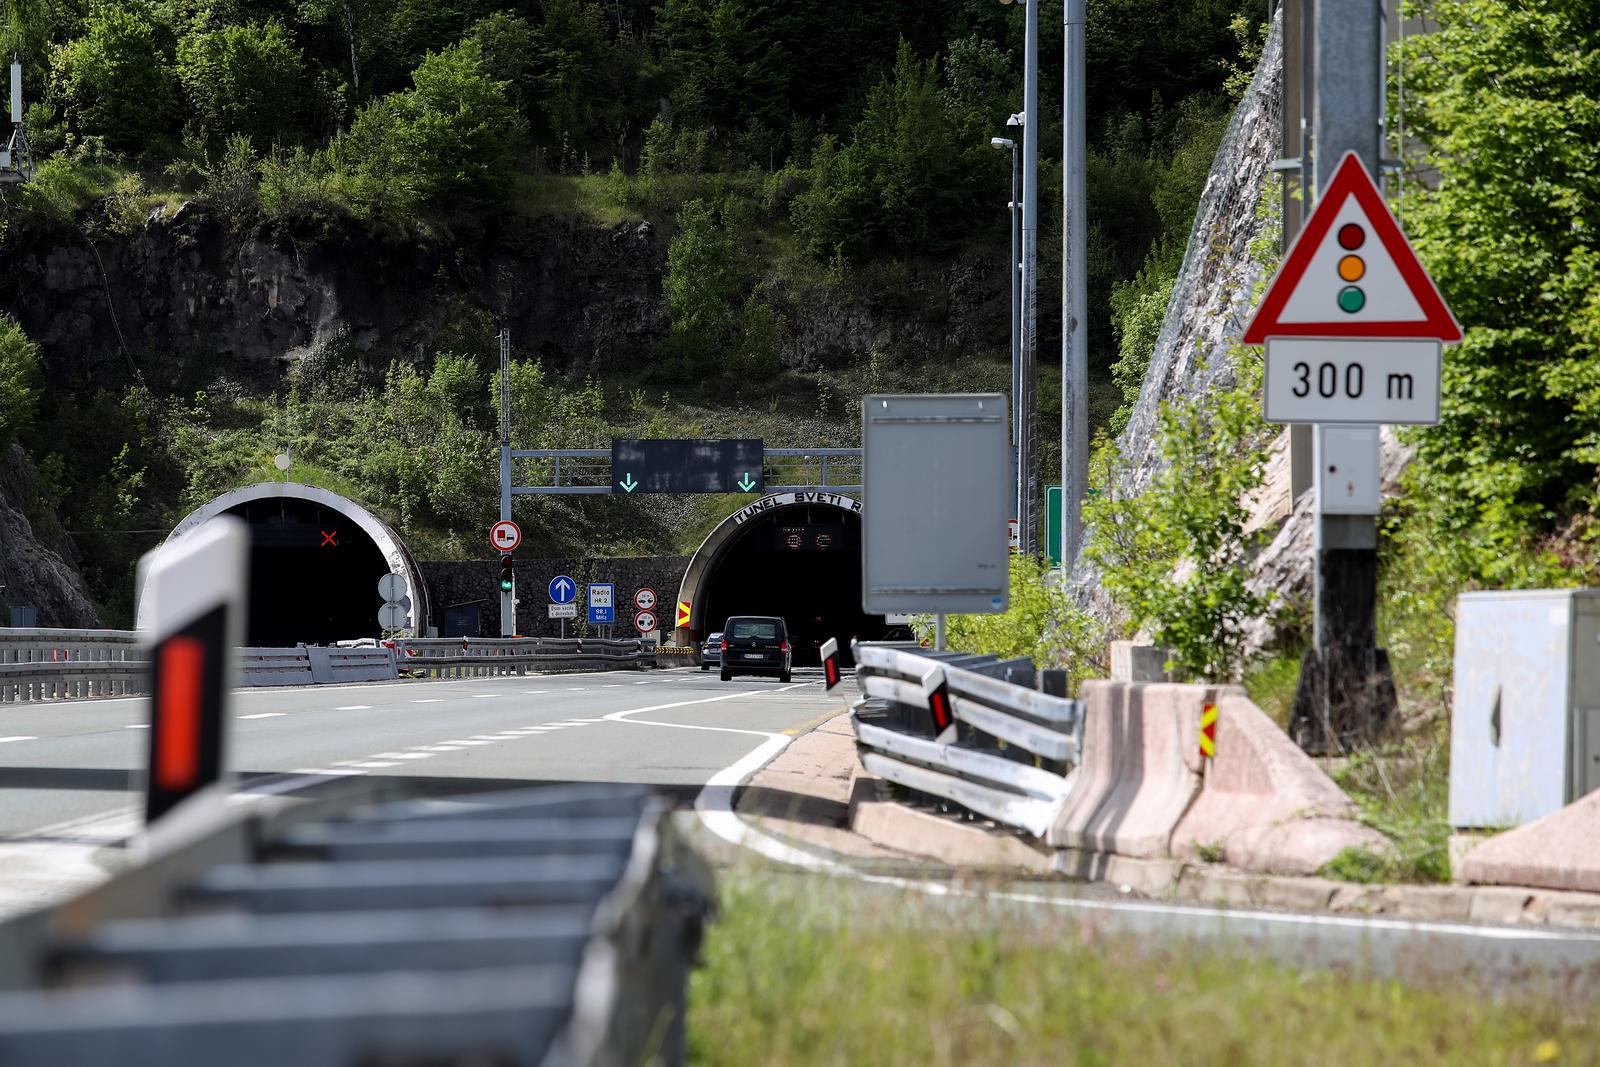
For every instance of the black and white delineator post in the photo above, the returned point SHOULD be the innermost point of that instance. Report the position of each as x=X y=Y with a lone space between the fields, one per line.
x=830 y=663
x=194 y=599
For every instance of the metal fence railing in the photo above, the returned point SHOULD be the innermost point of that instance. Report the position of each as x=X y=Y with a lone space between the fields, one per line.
x=44 y=664
x=969 y=730
x=460 y=657
x=546 y=926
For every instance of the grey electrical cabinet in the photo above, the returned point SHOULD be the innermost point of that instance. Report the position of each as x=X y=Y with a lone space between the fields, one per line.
x=1525 y=727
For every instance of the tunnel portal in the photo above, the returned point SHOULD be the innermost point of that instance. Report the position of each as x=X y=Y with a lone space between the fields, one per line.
x=315 y=561
x=796 y=555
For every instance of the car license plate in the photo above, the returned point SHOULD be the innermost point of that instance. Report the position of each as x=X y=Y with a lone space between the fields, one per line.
x=755 y=655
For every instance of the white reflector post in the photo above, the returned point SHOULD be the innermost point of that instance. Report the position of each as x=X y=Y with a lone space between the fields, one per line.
x=830 y=663
x=194 y=603
x=16 y=92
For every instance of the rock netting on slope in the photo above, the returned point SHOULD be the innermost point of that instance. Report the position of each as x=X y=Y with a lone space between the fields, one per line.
x=34 y=574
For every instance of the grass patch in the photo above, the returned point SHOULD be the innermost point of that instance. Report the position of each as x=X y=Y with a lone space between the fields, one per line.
x=587 y=196
x=805 y=970
x=1271 y=684
x=1402 y=790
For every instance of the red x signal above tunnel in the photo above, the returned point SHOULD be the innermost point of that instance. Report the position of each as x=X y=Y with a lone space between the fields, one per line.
x=330 y=538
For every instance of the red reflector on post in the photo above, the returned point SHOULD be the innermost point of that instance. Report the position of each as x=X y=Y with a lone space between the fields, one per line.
x=939 y=704
x=183 y=661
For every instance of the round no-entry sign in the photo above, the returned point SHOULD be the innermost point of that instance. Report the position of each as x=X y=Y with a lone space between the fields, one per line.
x=505 y=535
x=645 y=621
x=645 y=600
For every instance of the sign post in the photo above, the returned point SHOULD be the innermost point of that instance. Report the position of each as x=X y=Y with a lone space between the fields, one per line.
x=1353 y=328
x=602 y=603
x=563 y=591
x=195 y=599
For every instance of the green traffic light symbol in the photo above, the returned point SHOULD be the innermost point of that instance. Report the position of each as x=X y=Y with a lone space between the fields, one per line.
x=627 y=483
x=747 y=483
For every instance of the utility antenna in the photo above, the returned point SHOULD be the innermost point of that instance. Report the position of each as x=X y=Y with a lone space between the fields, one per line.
x=16 y=160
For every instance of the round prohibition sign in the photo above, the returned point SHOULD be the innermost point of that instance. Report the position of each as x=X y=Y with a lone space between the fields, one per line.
x=645 y=599
x=645 y=621
x=505 y=535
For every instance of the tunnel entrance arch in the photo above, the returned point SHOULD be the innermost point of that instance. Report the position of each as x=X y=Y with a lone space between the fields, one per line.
x=315 y=560
x=794 y=554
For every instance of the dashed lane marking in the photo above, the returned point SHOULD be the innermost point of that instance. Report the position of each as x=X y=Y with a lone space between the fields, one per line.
x=137 y=726
x=429 y=700
x=264 y=715
x=366 y=764
x=18 y=737
x=354 y=707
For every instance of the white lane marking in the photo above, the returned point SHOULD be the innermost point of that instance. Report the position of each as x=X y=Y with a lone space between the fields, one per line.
x=366 y=764
x=586 y=720
x=429 y=700
x=313 y=772
x=138 y=726
x=486 y=737
x=264 y=715
x=641 y=683
x=484 y=696
x=354 y=707
x=575 y=689
x=18 y=737
x=469 y=742
x=534 y=692
x=402 y=755
x=616 y=686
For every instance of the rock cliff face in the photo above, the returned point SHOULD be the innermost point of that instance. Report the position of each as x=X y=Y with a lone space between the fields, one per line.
x=34 y=574
x=188 y=296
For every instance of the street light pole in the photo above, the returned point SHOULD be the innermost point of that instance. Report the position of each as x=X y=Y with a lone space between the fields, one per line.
x=1016 y=314
x=1028 y=521
x=1074 y=292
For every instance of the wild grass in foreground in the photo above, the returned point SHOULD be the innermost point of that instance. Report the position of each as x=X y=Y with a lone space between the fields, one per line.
x=811 y=970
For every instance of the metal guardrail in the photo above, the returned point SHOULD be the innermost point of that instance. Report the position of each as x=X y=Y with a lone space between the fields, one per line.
x=45 y=664
x=1007 y=750
x=460 y=657
x=549 y=926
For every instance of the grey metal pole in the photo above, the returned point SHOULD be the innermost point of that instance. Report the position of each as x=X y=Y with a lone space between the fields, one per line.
x=938 y=633
x=1028 y=521
x=1074 y=290
x=508 y=600
x=1016 y=340
x=1343 y=697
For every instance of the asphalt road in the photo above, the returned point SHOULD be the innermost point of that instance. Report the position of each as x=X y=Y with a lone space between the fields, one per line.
x=68 y=771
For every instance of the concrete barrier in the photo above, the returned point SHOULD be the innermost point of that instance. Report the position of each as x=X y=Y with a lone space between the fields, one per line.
x=1555 y=852
x=1264 y=803
x=275 y=666
x=1140 y=768
x=352 y=665
x=1143 y=789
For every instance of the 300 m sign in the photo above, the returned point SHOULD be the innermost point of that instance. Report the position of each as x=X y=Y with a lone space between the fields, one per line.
x=1311 y=379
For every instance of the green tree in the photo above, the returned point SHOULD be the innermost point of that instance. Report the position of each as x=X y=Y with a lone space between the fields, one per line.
x=1507 y=98
x=243 y=78
x=727 y=70
x=905 y=180
x=19 y=380
x=117 y=80
x=702 y=283
x=450 y=143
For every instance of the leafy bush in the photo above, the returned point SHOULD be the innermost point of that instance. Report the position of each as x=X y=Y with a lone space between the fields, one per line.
x=295 y=184
x=117 y=79
x=243 y=79
x=1042 y=622
x=1176 y=557
x=1505 y=97
x=449 y=144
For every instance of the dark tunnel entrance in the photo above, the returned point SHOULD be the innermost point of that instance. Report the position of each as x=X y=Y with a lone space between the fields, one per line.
x=313 y=574
x=801 y=561
x=315 y=561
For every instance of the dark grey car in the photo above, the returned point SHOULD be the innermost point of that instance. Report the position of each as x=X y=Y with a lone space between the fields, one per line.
x=711 y=651
x=756 y=644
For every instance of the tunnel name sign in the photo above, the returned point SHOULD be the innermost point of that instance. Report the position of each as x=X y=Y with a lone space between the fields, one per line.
x=687 y=465
x=1352 y=323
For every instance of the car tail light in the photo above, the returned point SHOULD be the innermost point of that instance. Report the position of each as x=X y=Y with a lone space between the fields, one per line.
x=724 y=644
x=783 y=646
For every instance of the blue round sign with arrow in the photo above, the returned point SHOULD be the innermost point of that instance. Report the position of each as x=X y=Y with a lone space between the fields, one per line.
x=563 y=590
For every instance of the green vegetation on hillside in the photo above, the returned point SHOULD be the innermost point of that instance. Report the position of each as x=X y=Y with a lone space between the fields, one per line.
x=821 y=153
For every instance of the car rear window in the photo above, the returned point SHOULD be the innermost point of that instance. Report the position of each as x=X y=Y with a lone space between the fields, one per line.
x=764 y=631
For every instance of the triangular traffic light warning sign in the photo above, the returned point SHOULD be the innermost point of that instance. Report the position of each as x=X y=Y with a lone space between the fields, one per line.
x=1351 y=273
